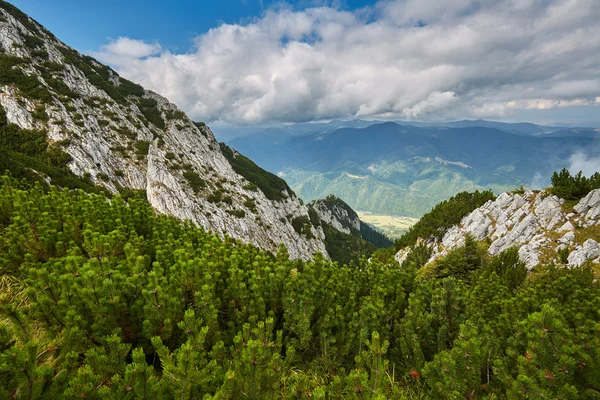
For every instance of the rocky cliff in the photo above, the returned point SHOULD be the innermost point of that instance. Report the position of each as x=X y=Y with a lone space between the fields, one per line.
x=122 y=136
x=542 y=226
x=335 y=212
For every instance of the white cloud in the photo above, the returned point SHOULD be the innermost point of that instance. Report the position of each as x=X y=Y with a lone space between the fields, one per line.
x=581 y=162
x=126 y=49
x=399 y=58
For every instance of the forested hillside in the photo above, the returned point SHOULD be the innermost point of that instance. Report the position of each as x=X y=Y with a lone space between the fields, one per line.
x=105 y=299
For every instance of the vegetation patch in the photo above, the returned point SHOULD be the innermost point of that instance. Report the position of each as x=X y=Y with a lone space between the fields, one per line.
x=270 y=184
x=39 y=113
x=26 y=154
x=29 y=86
x=302 y=226
x=194 y=180
x=443 y=216
x=573 y=187
x=128 y=88
x=142 y=147
x=150 y=111
x=175 y=115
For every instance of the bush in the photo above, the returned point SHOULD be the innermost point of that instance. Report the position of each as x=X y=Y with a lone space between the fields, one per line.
x=443 y=216
x=30 y=86
x=39 y=113
x=569 y=187
x=194 y=180
x=142 y=147
x=302 y=226
x=176 y=114
x=129 y=88
x=149 y=109
x=271 y=185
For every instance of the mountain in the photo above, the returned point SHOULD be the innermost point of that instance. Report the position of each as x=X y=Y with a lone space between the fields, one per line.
x=71 y=120
x=393 y=169
x=347 y=238
x=517 y=128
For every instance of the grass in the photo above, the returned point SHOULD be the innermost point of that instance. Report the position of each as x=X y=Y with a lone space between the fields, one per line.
x=392 y=226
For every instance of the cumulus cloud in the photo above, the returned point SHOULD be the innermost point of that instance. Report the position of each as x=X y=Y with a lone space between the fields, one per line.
x=124 y=49
x=412 y=59
x=582 y=162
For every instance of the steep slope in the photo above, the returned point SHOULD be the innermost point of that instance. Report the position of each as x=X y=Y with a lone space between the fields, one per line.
x=347 y=238
x=541 y=225
x=119 y=135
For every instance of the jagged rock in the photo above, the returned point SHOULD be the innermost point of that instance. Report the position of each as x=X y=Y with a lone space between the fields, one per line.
x=335 y=212
x=589 y=206
x=577 y=257
x=548 y=211
x=567 y=226
x=561 y=247
x=402 y=255
x=521 y=233
x=567 y=239
x=477 y=224
x=529 y=256
x=590 y=250
x=524 y=221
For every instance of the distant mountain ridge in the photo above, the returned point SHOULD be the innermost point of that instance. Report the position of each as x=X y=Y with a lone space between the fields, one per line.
x=395 y=169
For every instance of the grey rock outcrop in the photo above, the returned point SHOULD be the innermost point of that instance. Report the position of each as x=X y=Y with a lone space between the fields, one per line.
x=531 y=222
x=335 y=212
x=589 y=206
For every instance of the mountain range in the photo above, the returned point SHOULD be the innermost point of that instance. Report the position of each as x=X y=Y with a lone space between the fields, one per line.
x=405 y=169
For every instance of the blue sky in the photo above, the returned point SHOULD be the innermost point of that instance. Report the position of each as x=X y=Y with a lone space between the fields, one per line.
x=87 y=24
x=251 y=62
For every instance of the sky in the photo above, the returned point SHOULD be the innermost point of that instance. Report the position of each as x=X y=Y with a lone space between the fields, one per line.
x=245 y=62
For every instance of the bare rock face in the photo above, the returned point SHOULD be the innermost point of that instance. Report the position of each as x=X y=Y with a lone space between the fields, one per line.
x=590 y=250
x=136 y=139
x=530 y=222
x=335 y=212
x=589 y=206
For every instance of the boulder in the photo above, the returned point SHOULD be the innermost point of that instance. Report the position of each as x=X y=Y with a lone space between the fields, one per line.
x=589 y=206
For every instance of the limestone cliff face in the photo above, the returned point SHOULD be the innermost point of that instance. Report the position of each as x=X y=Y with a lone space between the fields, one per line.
x=536 y=223
x=125 y=136
x=335 y=212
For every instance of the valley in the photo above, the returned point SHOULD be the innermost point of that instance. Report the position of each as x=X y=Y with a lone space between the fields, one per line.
x=392 y=226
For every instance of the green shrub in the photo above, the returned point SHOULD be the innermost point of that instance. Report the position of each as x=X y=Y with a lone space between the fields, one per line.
x=149 y=109
x=30 y=86
x=573 y=187
x=271 y=185
x=176 y=114
x=129 y=88
x=238 y=213
x=302 y=226
x=142 y=147
x=250 y=204
x=194 y=180
x=39 y=113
